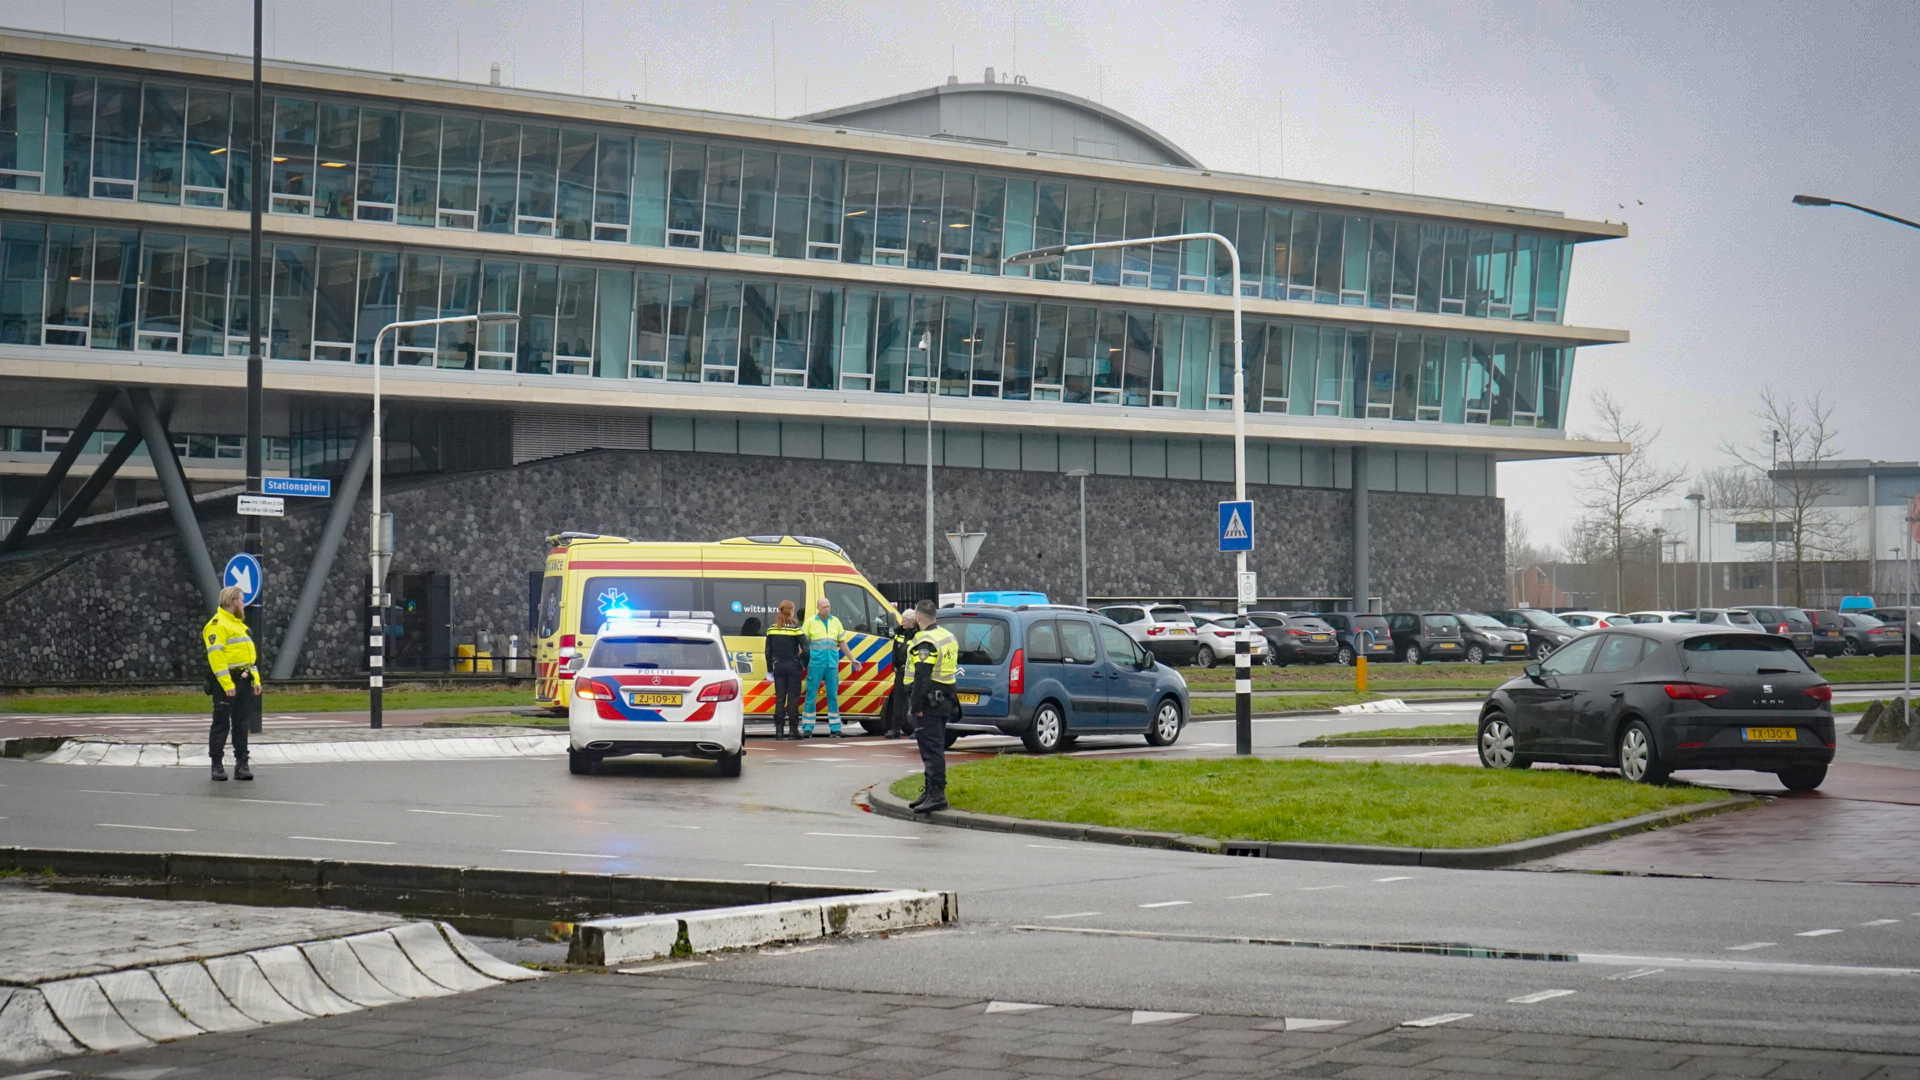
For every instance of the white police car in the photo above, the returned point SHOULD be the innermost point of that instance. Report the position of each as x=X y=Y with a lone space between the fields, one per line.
x=656 y=682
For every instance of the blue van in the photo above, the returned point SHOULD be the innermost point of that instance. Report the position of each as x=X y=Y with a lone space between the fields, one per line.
x=1050 y=674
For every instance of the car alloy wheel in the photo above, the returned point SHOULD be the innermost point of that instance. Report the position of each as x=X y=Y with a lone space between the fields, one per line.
x=1543 y=650
x=1496 y=744
x=1639 y=759
x=1166 y=724
x=1850 y=649
x=1205 y=657
x=1345 y=656
x=1413 y=654
x=1047 y=731
x=1476 y=655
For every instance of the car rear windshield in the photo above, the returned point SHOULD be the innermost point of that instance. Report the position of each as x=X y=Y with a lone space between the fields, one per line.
x=1544 y=620
x=1375 y=624
x=1442 y=624
x=1169 y=613
x=1826 y=620
x=1743 y=655
x=982 y=641
x=1795 y=615
x=1308 y=623
x=658 y=654
x=1742 y=618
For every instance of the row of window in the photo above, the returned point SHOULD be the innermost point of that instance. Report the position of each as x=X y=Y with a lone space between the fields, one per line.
x=199 y=447
x=121 y=138
x=164 y=292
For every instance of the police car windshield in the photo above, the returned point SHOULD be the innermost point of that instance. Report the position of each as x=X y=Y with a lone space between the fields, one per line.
x=657 y=653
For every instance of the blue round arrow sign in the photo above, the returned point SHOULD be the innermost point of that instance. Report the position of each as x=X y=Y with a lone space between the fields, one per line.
x=244 y=570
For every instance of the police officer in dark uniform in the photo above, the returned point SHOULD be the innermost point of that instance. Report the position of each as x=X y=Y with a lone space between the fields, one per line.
x=899 y=724
x=786 y=666
x=936 y=665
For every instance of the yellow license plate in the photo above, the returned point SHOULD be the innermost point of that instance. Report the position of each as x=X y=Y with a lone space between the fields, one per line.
x=968 y=699
x=1772 y=734
x=1319 y=637
x=655 y=699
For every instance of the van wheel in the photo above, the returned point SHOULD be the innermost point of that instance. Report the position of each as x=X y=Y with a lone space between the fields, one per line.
x=873 y=725
x=1166 y=724
x=1047 y=732
x=728 y=765
x=580 y=762
x=952 y=737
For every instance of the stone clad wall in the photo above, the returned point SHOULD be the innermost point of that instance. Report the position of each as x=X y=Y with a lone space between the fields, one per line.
x=129 y=611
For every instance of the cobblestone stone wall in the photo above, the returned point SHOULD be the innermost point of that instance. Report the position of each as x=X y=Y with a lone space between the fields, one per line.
x=129 y=611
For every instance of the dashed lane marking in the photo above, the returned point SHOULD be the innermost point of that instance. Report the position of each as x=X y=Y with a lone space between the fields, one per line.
x=343 y=840
x=1385 y=879
x=99 y=791
x=1167 y=903
x=450 y=813
x=1073 y=915
x=1249 y=896
x=1636 y=973
x=149 y=828
x=1750 y=946
x=654 y=969
x=1435 y=1021
x=556 y=854
x=281 y=802
x=865 y=836
x=1880 y=922
x=1817 y=933
x=1536 y=998
x=822 y=869
x=1321 y=888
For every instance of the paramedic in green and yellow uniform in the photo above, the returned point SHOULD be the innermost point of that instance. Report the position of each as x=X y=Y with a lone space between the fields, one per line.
x=827 y=643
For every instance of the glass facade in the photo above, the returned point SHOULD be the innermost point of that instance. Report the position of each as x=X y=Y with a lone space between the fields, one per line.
x=161 y=291
x=179 y=143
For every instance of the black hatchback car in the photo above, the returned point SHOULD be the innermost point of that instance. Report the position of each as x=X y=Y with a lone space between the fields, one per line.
x=1431 y=635
x=1653 y=698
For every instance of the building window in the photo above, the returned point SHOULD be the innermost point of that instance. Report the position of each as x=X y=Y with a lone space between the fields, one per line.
x=1755 y=532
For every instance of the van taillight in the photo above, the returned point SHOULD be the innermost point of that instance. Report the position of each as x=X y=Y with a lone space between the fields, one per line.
x=592 y=690
x=1017 y=672
x=721 y=691
x=566 y=641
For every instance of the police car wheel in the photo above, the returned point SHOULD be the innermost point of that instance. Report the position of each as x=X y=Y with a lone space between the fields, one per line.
x=729 y=764
x=581 y=763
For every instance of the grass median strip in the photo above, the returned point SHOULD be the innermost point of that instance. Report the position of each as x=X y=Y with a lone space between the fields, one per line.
x=1424 y=731
x=1281 y=703
x=1434 y=806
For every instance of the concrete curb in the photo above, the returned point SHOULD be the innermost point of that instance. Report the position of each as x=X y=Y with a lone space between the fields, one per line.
x=886 y=803
x=138 y=1007
x=1394 y=740
x=652 y=937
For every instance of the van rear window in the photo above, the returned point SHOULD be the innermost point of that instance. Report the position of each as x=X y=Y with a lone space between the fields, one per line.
x=1743 y=654
x=658 y=654
x=610 y=597
x=982 y=641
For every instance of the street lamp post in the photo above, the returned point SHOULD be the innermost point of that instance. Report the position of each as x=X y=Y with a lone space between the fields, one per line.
x=1242 y=643
x=1699 y=545
x=376 y=557
x=1674 y=558
x=925 y=346
x=1815 y=200
x=1081 y=475
x=1659 y=567
x=1773 y=517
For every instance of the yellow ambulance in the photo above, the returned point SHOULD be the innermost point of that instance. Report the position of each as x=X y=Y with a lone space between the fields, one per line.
x=592 y=578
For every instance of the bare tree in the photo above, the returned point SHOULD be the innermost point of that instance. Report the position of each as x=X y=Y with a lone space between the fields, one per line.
x=1796 y=442
x=1522 y=555
x=1617 y=489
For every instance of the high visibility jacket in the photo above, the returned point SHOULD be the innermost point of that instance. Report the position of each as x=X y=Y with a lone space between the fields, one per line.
x=939 y=648
x=229 y=648
x=786 y=647
x=824 y=633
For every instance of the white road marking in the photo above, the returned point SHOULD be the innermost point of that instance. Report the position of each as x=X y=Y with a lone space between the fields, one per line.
x=95 y=791
x=1816 y=933
x=344 y=840
x=1544 y=995
x=785 y=866
x=1072 y=915
x=1637 y=973
x=652 y=968
x=795 y=950
x=150 y=828
x=1168 y=903
x=280 y=802
x=556 y=854
x=683 y=826
x=1750 y=946
x=1744 y=965
x=1249 y=896
x=1321 y=888
x=1054 y=847
x=1435 y=1021
x=1147 y=1016
x=450 y=813
x=1880 y=922
x=1013 y=1007
x=865 y=836
x=1402 y=878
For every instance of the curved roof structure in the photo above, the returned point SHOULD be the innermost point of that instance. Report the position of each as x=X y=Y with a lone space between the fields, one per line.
x=1012 y=114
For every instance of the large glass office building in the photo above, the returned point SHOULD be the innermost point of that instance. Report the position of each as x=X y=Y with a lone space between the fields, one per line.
x=703 y=282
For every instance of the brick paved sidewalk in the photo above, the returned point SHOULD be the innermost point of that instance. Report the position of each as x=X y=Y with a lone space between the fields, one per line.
x=586 y=1026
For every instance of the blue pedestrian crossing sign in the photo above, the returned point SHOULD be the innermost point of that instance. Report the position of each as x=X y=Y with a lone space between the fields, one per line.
x=1236 y=526
x=244 y=570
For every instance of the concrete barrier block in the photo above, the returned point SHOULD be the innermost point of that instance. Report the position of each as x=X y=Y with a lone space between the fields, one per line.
x=192 y=991
x=780 y=891
x=286 y=968
x=28 y=1031
x=143 y=1004
x=83 y=1009
x=343 y=972
x=422 y=943
x=246 y=986
x=483 y=961
x=760 y=924
x=687 y=892
x=537 y=883
x=387 y=962
x=250 y=869
x=148 y=865
x=376 y=875
x=884 y=912
x=619 y=941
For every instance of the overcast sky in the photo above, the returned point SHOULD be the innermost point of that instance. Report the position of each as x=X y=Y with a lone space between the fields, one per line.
x=1693 y=122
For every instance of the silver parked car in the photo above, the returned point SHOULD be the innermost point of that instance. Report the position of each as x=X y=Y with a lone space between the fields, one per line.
x=1166 y=630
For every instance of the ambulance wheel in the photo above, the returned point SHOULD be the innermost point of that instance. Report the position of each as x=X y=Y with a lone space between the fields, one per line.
x=874 y=725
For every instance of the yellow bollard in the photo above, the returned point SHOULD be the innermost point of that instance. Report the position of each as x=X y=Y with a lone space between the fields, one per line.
x=482 y=661
x=1359 y=674
x=463 y=661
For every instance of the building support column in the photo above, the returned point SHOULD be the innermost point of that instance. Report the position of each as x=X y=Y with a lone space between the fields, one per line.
x=179 y=501
x=49 y=485
x=103 y=473
x=324 y=552
x=1362 y=534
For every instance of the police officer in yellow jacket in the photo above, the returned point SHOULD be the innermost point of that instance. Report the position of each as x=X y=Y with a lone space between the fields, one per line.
x=936 y=664
x=235 y=683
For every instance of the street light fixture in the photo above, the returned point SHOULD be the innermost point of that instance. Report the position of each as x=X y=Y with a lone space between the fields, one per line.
x=376 y=557
x=1242 y=644
x=1081 y=475
x=1699 y=545
x=1816 y=200
x=1659 y=566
